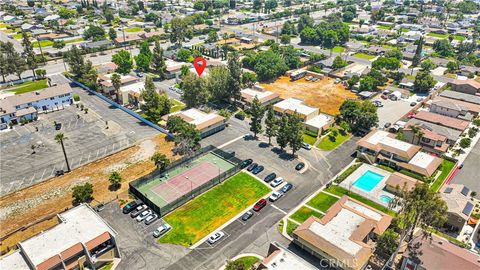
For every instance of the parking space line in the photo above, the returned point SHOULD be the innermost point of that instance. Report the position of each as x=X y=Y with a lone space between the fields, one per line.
x=274 y=206
x=41 y=177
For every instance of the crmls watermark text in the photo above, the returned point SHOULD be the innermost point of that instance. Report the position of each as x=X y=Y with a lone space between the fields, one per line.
x=335 y=263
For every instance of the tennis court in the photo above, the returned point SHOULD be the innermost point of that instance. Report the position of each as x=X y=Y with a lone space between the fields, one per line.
x=184 y=178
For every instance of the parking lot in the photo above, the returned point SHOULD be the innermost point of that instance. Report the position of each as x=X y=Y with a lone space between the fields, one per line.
x=391 y=111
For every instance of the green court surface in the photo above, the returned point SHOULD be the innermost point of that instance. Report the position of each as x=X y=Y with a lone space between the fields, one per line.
x=221 y=164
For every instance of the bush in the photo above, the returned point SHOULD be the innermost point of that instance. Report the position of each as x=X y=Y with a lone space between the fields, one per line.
x=76 y=97
x=347 y=172
x=476 y=122
x=465 y=142
x=82 y=193
x=472 y=132
x=225 y=113
x=315 y=69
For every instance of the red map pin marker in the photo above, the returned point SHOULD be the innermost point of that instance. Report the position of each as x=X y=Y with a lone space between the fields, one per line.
x=199 y=63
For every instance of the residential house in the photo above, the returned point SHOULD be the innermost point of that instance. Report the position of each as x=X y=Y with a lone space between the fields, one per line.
x=474 y=99
x=471 y=87
x=101 y=44
x=281 y=258
x=451 y=109
x=82 y=239
x=345 y=235
x=429 y=140
x=397 y=182
x=265 y=97
x=452 y=135
x=471 y=107
x=459 y=205
x=27 y=105
x=442 y=120
x=438 y=253
x=314 y=121
x=105 y=80
x=206 y=123
x=381 y=147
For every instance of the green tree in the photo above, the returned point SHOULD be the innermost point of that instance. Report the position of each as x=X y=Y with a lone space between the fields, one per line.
x=160 y=160
x=154 y=103
x=60 y=138
x=304 y=21
x=157 y=63
x=443 y=48
x=283 y=133
x=295 y=127
x=352 y=81
x=41 y=73
x=76 y=62
x=338 y=62
x=94 y=32
x=428 y=65
x=217 y=82
x=124 y=62
x=285 y=39
x=115 y=179
x=271 y=126
x=28 y=52
x=212 y=37
x=423 y=82
x=249 y=79
x=19 y=64
x=112 y=34
x=308 y=35
x=269 y=65
x=452 y=66
x=389 y=63
x=418 y=53
x=465 y=142
x=359 y=115
x=178 y=28
x=291 y=57
x=257 y=111
x=195 y=92
x=387 y=243
x=58 y=44
x=184 y=55
x=82 y=193
x=235 y=74
x=117 y=83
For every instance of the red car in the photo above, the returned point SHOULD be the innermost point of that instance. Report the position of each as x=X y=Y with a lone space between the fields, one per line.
x=259 y=205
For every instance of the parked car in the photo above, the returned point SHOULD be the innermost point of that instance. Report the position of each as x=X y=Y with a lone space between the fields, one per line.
x=161 y=230
x=99 y=207
x=275 y=196
x=140 y=74
x=240 y=116
x=129 y=207
x=144 y=215
x=420 y=99
x=252 y=166
x=413 y=104
x=246 y=162
x=215 y=237
x=286 y=187
x=387 y=125
x=138 y=210
x=258 y=169
x=59 y=173
x=150 y=219
x=259 y=205
x=276 y=182
x=58 y=126
x=300 y=166
x=306 y=146
x=270 y=177
x=247 y=216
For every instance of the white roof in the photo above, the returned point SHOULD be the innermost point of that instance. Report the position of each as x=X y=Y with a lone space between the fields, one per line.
x=287 y=261
x=198 y=116
x=319 y=121
x=51 y=17
x=134 y=87
x=79 y=224
x=364 y=210
x=339 y=230
x=258 y=94
x=382 y=137
x=14 y=261
x=293 y=104
x=422 y=160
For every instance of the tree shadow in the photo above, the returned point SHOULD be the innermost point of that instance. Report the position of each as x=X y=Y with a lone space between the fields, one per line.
x=114 y=187
x=263 y=145
x=248 y=137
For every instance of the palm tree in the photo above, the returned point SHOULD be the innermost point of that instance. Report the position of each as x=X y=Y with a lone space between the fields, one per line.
x=417 y=133
x=59 y=138
x=117 y=83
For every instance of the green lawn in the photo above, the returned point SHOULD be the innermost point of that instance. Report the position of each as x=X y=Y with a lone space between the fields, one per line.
x=341 y=191
x=437 y=35
x=176 y=105
x=304 y=213
x=384 y=27
x=4 y=25
x=308 y=138
x=204 y=214
x=331 y=142
x=405 y=30
x=247 y=261
x=322 y=201
x=18 y=36
x=291 y=227
x=348 y=172
x=447 y=166
x=73 y=40
x=133 y=29
x=389 y=47
x=28 y=87
x=460 y=38
x=338 y=49
x=364 y=56
x=43 y=43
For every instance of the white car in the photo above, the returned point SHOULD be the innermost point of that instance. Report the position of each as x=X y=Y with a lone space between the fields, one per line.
x=276 y=182
x=215 y=237
x=144 y=215
x=161 y=230
x=275 y=196
x=306 y=146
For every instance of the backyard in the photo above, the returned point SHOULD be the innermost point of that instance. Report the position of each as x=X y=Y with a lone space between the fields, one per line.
x=27 y=87
x=447 y=166
x=304 y=213
x=133 y=29
x=333 y=139
x=323 y=94
x=322 y=201
x=203 y=215
x=364 y=56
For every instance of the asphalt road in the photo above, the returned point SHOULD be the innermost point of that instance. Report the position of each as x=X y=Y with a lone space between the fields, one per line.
x=468 y=175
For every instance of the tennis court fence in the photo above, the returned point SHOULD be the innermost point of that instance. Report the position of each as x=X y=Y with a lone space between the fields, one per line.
x=154 y=176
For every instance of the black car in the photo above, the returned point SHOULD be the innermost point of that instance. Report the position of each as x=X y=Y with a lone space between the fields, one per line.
x=240 y=116
x=270 y=177
x=247 y=216
x=252 y=166
x=58 y=126
x=129 y=207
x=258 y=169
x=246 y=162
x=387 y=125
x=300 y=166
x=59 y=173
x=286 y=187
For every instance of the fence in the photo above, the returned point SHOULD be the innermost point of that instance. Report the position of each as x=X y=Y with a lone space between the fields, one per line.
x=116 y=105
x=194 y=192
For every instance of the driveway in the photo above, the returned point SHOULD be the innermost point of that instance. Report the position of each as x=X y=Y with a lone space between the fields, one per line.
x=391 y=111
x=468 y=175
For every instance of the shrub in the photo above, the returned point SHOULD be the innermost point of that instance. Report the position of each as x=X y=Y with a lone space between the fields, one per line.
x=465 y=142
x=347 y=172
x=82 y=193
x=472 y=132
x=76 y=97
x=476 y=122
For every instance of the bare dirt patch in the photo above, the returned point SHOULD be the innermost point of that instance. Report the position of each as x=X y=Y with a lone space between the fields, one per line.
x=323 y=94
x=53 y=196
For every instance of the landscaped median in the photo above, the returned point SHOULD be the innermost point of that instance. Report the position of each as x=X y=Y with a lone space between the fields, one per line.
x=204 y=214
x=27 y=87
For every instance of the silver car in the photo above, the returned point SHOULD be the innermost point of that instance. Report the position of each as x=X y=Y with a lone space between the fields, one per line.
x=161 y=230
x=144 y=215
x=276 y=182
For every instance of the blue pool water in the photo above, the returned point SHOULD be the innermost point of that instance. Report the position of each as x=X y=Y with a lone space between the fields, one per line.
x=368 y=181
x=385 y=198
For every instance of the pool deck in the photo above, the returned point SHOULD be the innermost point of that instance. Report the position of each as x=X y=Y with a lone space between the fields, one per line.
x=376 y=192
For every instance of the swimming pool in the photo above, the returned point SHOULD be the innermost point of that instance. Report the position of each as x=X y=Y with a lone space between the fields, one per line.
x=385 y=198
x=368 y=181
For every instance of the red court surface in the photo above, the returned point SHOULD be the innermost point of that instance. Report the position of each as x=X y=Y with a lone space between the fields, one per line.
x=186 y=181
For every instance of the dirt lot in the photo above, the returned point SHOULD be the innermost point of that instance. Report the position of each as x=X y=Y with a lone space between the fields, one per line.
x=323 y=94
x=53 y=196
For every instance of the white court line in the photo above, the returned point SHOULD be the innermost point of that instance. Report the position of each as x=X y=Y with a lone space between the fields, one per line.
x=41 y=177
x=232 y=141
x=274 y=206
